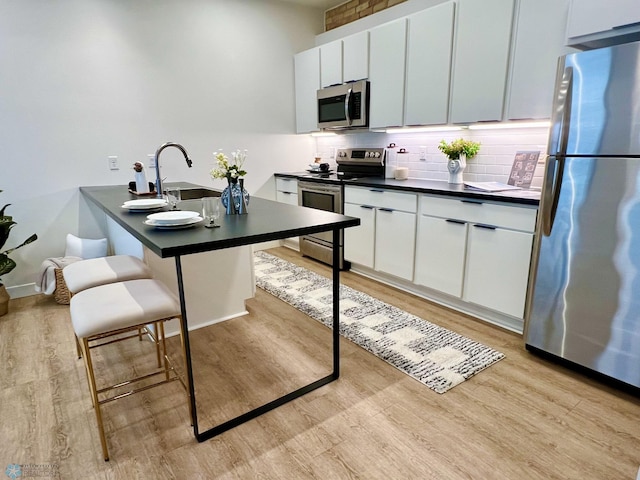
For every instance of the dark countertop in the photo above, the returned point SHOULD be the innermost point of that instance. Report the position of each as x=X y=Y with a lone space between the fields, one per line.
x=267 y=220
x=437 y=187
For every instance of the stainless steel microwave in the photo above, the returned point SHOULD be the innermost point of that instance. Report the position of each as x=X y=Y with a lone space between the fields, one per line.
x=344 y=106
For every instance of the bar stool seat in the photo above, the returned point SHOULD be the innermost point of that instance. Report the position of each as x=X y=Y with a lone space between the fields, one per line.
x=117 y=308
x=94 y=272
x=104 y=270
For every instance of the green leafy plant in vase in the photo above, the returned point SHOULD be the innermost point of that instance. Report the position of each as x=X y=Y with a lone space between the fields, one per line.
x=458 y=152
x=7 y=264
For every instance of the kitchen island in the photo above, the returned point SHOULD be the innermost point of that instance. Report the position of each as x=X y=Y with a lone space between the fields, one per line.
x=266 y=221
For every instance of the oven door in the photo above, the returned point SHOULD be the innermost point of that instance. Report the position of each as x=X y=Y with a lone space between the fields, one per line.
x=321 y=197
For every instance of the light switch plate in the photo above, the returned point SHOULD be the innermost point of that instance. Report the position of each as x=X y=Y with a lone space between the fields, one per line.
x=113 y=162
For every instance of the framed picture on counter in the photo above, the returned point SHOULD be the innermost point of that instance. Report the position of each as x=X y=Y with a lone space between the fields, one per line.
x=524 y=166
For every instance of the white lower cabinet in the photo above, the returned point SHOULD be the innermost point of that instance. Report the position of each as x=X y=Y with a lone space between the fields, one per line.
x=440 y=254
x=287 y=192
x=385 y=239
x=497 y=268
x=359 y=241
x=395 y=242
x=477 y=251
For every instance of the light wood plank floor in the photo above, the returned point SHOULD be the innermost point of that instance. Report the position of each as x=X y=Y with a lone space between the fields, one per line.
x=523 y=418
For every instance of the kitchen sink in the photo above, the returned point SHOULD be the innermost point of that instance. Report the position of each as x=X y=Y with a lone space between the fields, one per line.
x=194 y=193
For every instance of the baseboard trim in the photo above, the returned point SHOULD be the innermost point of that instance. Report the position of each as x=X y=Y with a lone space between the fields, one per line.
x=20 y=291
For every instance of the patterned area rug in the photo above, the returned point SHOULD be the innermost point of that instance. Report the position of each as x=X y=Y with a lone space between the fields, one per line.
x=435 y=356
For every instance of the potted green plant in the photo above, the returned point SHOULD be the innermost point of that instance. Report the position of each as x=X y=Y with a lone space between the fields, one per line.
x=458 y=152
x=6 y=264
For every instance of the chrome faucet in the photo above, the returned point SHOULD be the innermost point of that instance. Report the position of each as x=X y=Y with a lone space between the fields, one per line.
x=160 y=149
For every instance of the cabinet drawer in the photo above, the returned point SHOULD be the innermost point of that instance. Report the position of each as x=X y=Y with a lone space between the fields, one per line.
x=378 y=197
x=473 y=211
x=287 y=197
x=287 y=185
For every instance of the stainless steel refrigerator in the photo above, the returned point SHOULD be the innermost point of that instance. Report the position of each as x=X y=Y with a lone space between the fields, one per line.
x=583 y=303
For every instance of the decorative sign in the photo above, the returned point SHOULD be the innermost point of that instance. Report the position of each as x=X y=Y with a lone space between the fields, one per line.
x=524 y=164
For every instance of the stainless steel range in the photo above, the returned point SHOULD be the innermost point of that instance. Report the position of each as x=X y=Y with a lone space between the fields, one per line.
x=325 y=191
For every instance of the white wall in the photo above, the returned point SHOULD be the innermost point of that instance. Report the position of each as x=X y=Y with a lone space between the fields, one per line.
x=85 y=79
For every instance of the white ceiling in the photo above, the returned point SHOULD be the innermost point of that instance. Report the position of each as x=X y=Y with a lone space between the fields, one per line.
x=325 y=4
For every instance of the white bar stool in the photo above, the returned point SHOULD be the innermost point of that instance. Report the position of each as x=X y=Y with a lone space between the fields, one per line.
x=117 y=308
x=94 y=272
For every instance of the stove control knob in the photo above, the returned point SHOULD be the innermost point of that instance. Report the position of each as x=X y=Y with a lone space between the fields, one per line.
x=377 y=154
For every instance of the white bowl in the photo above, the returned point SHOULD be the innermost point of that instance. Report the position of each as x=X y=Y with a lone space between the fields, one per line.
x=174 y=217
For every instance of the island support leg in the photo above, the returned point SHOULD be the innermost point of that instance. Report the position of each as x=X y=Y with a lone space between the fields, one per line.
x=245 y=417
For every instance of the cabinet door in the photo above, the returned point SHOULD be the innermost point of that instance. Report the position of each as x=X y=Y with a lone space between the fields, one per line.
x=386 y=73
x=355 y=57
x=358 y=241
x=594 y=16
x=429 y=45
x=440 y=254
x=307 y=83
x=535 y=57
x=287 y=197
x=395 y=242
x=331 y=63
x=497 y=269
x=483 y=38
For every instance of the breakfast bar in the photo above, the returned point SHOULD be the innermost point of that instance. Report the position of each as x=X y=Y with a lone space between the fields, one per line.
x=267 y=221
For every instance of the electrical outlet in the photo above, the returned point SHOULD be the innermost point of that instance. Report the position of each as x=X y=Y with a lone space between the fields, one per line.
x=151 y=160
x=423 y=153
x=113 y=162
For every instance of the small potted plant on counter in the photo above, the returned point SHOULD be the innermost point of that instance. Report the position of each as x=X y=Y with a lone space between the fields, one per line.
x=6 y=264
x=458 y=152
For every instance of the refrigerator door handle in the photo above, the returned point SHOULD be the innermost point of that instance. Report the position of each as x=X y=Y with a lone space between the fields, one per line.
x=561 y=120
x=551 y=192
x=558 y=141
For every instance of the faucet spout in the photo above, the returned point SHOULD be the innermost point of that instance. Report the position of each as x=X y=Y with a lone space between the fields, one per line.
x=160 y=149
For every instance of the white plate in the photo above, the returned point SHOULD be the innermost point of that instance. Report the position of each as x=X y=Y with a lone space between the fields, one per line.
x=145 y=204
x=177 y=226
x=173 y=217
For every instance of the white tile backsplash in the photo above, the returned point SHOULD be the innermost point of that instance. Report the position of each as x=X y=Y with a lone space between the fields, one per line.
x=492 y=164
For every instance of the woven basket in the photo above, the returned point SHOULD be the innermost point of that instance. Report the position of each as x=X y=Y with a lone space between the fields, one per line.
x=61 y=294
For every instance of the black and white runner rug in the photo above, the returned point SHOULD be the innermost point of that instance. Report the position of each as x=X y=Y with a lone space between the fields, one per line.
x=435 y=356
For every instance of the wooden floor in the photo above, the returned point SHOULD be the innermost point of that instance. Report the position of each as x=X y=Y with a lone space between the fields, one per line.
x=522 y=418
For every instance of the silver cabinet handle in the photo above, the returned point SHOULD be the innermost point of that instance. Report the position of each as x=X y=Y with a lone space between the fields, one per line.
x=457 y=222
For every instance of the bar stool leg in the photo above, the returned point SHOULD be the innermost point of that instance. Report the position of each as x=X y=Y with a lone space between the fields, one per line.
x=94 y=397
x=78 y=348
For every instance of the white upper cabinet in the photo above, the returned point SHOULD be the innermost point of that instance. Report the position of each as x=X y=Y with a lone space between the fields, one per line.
x=429 y=46
x=538 y=42
x=345 y=60
x=481 y=58
x=307 y=83
x=386 y=73
x=331 y=63
x=597 y=23
x=355 y=57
